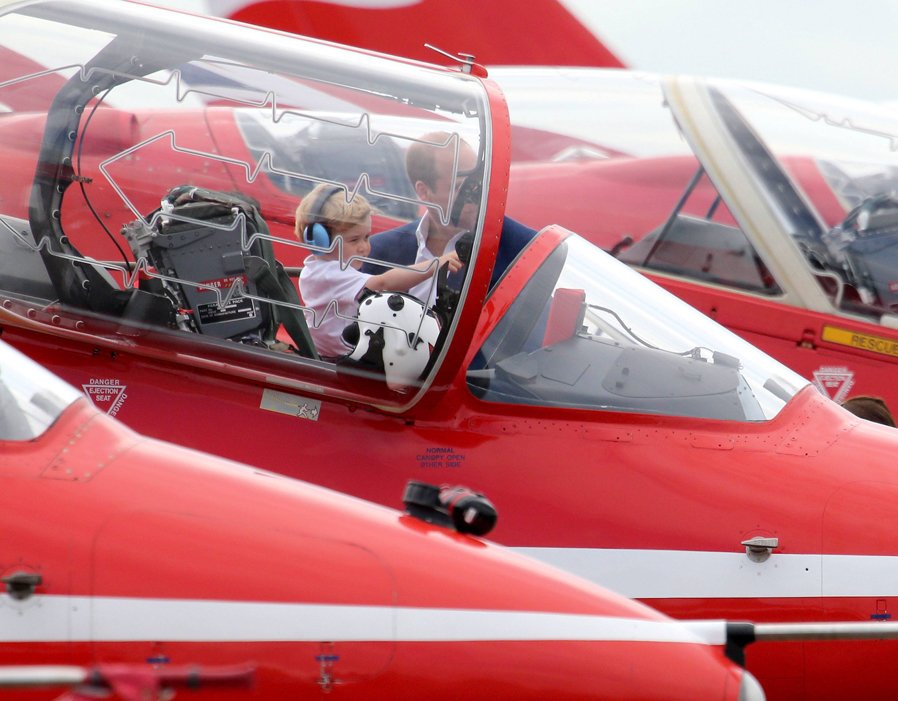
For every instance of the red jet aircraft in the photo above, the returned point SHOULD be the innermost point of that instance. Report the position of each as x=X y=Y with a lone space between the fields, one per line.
x=772 y=210
x=622 y=434
x=142 y=557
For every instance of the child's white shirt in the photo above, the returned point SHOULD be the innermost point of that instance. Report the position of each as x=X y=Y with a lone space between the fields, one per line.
x=323 y=284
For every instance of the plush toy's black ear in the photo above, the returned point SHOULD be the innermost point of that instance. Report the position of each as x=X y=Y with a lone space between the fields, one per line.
x=351 y=334
x=372 y=359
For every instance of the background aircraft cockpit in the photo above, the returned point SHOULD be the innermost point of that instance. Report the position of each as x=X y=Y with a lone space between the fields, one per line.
x=667 y=162
x=831 y=171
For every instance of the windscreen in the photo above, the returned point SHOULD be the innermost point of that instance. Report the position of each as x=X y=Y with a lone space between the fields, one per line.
x=587 y=332
x=31 y=398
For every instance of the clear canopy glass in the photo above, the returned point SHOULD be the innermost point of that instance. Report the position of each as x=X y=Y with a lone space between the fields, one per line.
x=31 y=398
x=830 y=166
x=114 y=117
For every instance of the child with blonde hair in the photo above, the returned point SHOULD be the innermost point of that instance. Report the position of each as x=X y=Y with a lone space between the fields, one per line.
x=331 y=286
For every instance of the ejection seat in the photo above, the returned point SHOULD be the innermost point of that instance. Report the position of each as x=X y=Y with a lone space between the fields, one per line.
x=210 y=252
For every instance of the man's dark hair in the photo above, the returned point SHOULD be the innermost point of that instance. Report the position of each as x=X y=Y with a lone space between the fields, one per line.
x=870 y=408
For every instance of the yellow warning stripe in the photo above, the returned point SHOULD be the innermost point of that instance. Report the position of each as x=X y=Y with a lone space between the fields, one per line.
x=875 y=344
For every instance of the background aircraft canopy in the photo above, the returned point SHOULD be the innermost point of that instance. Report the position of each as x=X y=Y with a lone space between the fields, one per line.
x=830 y=166
x=784 y=193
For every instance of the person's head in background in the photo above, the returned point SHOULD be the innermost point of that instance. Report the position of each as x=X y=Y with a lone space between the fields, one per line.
x=870 y=408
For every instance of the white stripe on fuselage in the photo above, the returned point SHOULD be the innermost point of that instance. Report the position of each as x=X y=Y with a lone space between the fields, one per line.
x=686 y=574
x=113 y=619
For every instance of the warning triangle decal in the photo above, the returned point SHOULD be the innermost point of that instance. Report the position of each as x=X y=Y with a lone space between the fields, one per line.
x=107 y=395
x=835 y=383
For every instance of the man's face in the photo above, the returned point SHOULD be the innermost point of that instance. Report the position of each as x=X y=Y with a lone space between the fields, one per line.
x=445 y=185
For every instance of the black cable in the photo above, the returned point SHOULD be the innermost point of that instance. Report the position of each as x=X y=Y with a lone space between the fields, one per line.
x=80 y=179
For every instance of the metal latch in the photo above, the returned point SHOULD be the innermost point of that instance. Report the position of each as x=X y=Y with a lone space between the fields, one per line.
x=21 y=585
x=759 y=548
x=466 y=62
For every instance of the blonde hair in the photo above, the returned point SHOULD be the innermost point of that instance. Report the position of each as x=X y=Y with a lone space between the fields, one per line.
x=336 y=214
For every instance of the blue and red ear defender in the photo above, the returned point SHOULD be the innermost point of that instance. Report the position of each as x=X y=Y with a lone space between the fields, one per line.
x=316 y=232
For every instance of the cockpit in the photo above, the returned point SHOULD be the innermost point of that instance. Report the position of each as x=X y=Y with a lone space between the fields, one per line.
x=171 y=161
x=164 y=195
x=831 y=169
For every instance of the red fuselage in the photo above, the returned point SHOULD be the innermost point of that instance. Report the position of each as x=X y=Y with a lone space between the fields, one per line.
x=149 y=553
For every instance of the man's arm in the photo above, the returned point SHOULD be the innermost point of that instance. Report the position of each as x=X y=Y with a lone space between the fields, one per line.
x=397 y=245
x=513 y=239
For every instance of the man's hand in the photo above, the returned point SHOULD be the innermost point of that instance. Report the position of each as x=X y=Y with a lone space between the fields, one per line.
x=452 y=260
